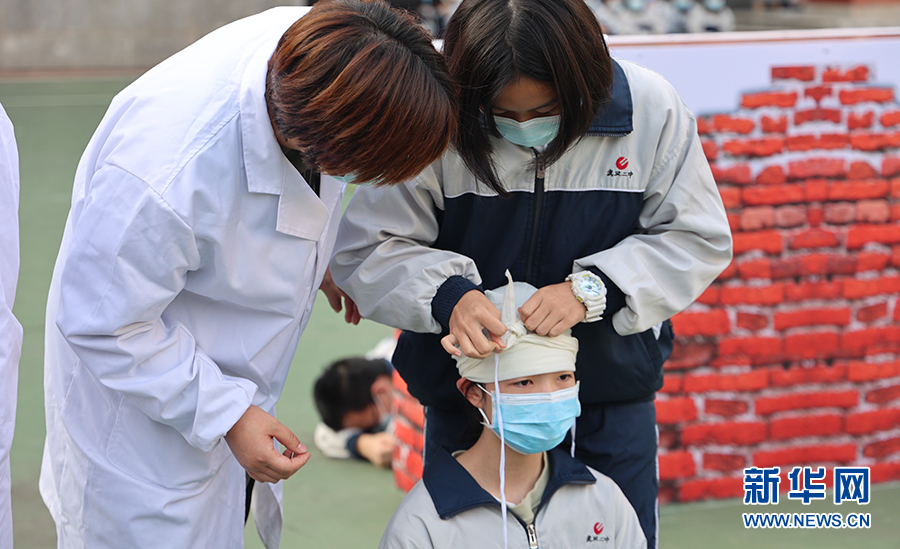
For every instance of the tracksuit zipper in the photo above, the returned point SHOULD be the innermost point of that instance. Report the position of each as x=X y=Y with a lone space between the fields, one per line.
x=532 y=537
x=536 y=224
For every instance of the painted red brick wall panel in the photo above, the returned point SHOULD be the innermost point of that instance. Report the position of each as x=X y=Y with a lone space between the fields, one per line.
x=676 y=465
x=806 y=401
x=806 y=455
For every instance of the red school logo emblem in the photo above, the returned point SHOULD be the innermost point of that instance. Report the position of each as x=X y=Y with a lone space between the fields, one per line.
x=598 y=528
x=622 y=163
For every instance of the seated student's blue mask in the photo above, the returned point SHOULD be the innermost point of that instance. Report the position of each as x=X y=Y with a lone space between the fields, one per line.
x=533 y=422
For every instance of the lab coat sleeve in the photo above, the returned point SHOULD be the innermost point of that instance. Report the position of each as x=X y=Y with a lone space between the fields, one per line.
x=383 y=256
x=129 y=256
x=683 y=240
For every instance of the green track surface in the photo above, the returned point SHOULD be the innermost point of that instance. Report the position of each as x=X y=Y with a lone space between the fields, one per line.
x=329 y=503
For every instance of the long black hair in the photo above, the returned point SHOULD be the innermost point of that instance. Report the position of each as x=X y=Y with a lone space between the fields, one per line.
x=492 y=43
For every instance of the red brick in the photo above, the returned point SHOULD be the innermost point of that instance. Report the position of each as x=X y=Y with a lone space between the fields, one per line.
x=668 y=438
x=751 y=381
x=667 y=494
x=710 y=296
x=754 y=218
x=414 y=464
x=412 y=410
x=734 y=221
x=731 y=197
x=816 y=167
x=723 y=462
x=840 y=213
x=856 y=74
x=861 y=235
x=756 y=268
x=811 y=345
x=408 y=435
x=729 y=272
x=690 y=354
x=788 y=267
x=897 y=304
x=810 y=142
x=862 y=170
x=769 y=99
x=873 y=211
x=814 y=238
x=766 y=146
x=675 y=410
x=805 y=291
x=726 y=408
x=710 y=149
x=855 y=288
x=752 y=321
x=863 y=423
x=827 y=264
x=774 y=175
x=866 y=95
x=706 y=323
x=883 y=395
x=858 y=190
x=732 y=433
x=803 y=73
x=890 y=118
x=676 y=465
x=671 y=382
x=806 y=426
x=890 y=166
x=815 y=214
x=753 y=295
x=869 y=371
x=872 y=261
x=790 y=216
x=860 y=121
x=864 y=340
x=817 y=190
x=882 y=448
x=404 y=480
x=802 y=401
x=716 y=488
x=767 y=241
x=703 y=125
x=723 y=123
x=738 y=174
x=875 y=141
x=773 y=125
x=895 y=188
x=398 y=383
x=872 y=312
x=802 y=455
x=895 y=212
x=796 y=375
x=818 y=92
x=773 y=194
x=832 y=316
x=883 y=472
x=895 y=256
x=813 y=115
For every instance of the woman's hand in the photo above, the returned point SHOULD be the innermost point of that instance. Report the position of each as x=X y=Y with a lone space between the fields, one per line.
x=552 y=310
x=471 y=317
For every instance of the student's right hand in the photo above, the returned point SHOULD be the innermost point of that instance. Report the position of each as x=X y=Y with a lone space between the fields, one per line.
x=473 y=314
x=251 y=442
x=376 y=447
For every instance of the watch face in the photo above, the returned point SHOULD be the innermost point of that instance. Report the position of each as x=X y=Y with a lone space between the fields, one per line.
x=590 y=286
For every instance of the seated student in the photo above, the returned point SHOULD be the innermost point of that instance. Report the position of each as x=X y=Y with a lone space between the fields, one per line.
x=527 y=397
x=353 y=396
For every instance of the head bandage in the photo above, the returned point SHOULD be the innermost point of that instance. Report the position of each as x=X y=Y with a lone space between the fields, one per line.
x=526 y=353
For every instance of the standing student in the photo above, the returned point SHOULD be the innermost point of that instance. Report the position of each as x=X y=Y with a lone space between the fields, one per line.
x=514 y=488
x=10 y=329
x=203 y=215
x=585 y=177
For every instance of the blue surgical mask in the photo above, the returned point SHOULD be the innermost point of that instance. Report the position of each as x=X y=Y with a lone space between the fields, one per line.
x=536 y=132
x=714 y=5
x=534 y=422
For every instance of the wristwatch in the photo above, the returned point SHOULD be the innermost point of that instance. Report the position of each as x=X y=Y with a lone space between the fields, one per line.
x=591 y=292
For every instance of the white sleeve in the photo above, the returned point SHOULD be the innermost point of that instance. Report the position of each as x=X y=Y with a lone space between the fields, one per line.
x=129 y=256
x=383 y=256
x=333 y=443
x=683 y=239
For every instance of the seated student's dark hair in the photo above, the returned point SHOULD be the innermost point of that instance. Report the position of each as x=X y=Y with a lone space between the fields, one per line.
x=361 y=88
x=346 y=386
x=492 y=43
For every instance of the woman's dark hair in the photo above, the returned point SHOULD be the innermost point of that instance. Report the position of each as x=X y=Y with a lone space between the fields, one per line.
x=361 y=88
x=346 y=386
x=492 y=43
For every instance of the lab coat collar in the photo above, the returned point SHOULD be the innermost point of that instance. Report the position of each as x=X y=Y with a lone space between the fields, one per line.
x=301 y=212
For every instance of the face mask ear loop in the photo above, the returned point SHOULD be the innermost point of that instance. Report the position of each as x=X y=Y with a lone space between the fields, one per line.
x=499 y=419
x=572 y=449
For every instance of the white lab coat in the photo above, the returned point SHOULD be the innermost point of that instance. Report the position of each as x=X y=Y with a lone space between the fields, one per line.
x=10 y=329
x=187 y=272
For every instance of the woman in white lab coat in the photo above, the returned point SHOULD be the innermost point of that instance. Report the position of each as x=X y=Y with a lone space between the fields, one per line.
x=10 y=329
x=191 y=257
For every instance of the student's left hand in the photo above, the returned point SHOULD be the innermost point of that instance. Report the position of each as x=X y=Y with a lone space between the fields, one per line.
x=552 y=310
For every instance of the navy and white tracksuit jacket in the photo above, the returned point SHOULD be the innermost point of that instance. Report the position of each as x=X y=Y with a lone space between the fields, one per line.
x=579 y=508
